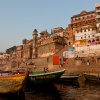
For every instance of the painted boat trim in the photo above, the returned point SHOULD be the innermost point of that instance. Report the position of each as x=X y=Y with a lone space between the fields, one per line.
x=48 y=73
x=69 y=76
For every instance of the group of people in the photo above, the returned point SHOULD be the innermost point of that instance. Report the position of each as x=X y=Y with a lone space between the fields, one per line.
x=87 y=61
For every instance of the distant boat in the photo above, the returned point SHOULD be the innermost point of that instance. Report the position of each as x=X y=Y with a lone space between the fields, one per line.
x=13 y=81
x=92 y=76
x=69 y=79
x=45 y=77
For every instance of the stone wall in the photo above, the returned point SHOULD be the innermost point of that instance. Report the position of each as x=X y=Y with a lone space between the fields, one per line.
x=46 y=49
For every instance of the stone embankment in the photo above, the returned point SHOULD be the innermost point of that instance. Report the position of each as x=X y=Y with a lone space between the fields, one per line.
x=83 y=65
x=72 y=65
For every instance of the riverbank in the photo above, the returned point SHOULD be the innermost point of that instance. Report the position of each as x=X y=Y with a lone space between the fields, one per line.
x=72 y=65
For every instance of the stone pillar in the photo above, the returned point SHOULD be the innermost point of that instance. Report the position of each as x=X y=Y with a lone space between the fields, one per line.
x=28 y=52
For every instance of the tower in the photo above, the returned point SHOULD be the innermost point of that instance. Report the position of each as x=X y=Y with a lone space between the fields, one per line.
x=34 y=43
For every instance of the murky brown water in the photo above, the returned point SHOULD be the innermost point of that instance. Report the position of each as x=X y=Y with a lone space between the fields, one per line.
x=90 y=91
x=60 y=91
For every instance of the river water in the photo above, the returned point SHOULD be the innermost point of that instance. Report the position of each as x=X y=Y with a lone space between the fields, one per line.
x=59 y=91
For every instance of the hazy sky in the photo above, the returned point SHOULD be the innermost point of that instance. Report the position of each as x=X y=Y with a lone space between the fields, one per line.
x=18 y=18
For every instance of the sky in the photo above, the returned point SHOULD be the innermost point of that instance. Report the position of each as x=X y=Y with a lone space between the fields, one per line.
x=19 y=18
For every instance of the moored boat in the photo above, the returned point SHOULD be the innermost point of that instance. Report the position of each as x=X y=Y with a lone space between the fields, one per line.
x=13 y=81
x=70 y=76
x=69 y=79
x=45 y=77
x=92 y=76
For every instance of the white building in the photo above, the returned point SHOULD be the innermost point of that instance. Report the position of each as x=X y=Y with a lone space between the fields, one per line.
x=97 y=10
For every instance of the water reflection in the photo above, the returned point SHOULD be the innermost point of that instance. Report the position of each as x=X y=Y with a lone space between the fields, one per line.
x=43 y=92
x=11 y=96
x=90 y=91
x=59 y=91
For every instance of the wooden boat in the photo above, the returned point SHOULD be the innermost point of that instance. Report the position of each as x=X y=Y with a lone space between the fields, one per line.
x=69 y=79
x=92 y=76
x=13 y=81
x=45 y=77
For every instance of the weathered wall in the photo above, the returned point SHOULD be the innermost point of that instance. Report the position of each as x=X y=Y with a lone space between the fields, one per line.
x=45 y=50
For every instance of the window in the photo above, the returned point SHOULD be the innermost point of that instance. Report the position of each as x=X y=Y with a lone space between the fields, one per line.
x=84 y=36
x=98 y=19
x=84 y=30
x=81 y=30
x=92 y=28
x=97 y=39
x=81 y=38
x=91 y=15
x=92 y=35
x=93 y=40
x=88 y=28
x=97 y=8
x=88 y=36
x=89 y=41
x=75 y=19
x=98 y=13
x=77 y=31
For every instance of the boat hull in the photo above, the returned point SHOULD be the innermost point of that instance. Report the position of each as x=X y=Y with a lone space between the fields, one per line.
x=92 y=77
x=12 y=83
x=69 y=79
x=45 y=77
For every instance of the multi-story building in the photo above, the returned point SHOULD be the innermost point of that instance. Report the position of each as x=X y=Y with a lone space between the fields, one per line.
x=86 y=31
x=43 y=45
x=97 y=11
x=83 y=33
x=84 y=27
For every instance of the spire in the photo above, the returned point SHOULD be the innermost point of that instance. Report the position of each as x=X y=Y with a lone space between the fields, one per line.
x=35 y=32
x=46 y=30
x=51 y=31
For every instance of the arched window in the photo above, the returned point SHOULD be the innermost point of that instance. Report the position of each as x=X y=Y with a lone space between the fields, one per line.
x=91 y=15
x=97 y=39
x=89 y=36
x=88 y=28
x=81 y=30
x=84 y=30
x=93 y=40
x=89 y=41
x=78 y=18
x=77 y=31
